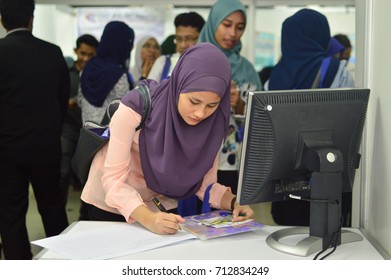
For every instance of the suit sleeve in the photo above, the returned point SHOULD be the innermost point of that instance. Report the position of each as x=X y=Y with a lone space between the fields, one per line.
x=64 y=86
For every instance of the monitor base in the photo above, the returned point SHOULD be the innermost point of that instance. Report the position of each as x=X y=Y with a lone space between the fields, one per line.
x=306 y=246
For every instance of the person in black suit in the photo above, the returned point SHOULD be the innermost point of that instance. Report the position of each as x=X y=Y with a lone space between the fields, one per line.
x=34 y=92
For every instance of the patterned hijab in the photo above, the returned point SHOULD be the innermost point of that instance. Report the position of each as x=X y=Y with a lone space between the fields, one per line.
x=242 y=70
x=103 y=71
x=305 y=38
x=176 y=156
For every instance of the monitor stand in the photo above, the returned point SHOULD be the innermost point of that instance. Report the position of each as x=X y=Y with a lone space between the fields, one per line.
x=306 y=246
x=326 y=164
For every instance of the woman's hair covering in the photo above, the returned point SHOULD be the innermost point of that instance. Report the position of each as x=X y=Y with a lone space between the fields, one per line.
x=176 y=156
x=168 y=46
x=136 y=70
x=305 y=39
x=241 y=69
x=335 y=47
x=103 y=71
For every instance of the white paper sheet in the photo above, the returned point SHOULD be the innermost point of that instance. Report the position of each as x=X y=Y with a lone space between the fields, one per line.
x=111 y=241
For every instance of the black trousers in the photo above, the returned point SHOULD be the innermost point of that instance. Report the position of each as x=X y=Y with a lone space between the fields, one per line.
x=14 y=200
x=97 y=214
x=68 y=148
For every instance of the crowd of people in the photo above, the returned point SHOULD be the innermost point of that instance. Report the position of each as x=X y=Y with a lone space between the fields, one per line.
x=188 y=149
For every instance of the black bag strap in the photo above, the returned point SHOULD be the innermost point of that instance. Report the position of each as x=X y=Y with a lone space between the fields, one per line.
x=144 y=92
x=113 y=106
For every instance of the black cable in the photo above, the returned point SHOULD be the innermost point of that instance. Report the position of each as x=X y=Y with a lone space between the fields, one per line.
x=327 y=247
x=329 y=253
x=334 y=238
x=335 y=234
x=313 y=199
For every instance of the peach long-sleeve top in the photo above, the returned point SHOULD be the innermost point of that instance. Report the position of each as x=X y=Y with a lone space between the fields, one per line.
x=116 y=181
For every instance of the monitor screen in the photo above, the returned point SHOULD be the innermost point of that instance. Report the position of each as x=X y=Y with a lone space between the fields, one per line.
x=303 y=143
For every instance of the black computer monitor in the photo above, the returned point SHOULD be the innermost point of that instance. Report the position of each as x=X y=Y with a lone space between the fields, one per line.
x=303 y=144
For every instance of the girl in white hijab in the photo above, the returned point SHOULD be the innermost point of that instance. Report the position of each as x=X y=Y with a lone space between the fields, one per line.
x=147 y=51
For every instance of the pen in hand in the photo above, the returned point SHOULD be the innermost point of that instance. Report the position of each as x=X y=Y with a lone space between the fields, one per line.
x=159 y=204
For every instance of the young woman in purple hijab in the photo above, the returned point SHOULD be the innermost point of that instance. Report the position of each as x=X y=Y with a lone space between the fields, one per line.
x=175 y=154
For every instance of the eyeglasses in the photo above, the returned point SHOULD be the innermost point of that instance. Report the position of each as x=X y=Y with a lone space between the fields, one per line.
x=187 y=40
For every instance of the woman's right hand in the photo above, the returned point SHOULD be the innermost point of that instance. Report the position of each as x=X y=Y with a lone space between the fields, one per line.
x=147 y=66
x=157 y=222
x=237 y=103
x=164 y=223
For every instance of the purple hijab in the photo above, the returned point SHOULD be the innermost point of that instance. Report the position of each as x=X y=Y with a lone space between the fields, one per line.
x=176 y=156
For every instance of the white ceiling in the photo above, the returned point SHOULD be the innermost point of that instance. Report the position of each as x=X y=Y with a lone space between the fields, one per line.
x=193 y=2
x=125 y=2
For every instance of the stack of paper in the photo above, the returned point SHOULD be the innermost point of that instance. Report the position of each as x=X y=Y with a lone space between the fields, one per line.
x=115 y=240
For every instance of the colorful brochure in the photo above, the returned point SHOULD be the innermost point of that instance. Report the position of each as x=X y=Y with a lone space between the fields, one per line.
x=217 y=224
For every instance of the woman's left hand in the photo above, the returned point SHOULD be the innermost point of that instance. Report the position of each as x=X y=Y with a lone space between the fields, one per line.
x=241 y=212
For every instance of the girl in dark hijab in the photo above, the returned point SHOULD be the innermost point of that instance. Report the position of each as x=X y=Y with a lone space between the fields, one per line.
x=175 y=154
x=305 y=62
x=105 y=76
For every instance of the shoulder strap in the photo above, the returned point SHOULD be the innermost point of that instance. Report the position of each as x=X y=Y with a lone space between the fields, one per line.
x=130 y=80
x=326 y=73
x=329 y=69
x=323 y=71
x=110 y=109
x=316 y=82
x=166 y=67
x=143 y=90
